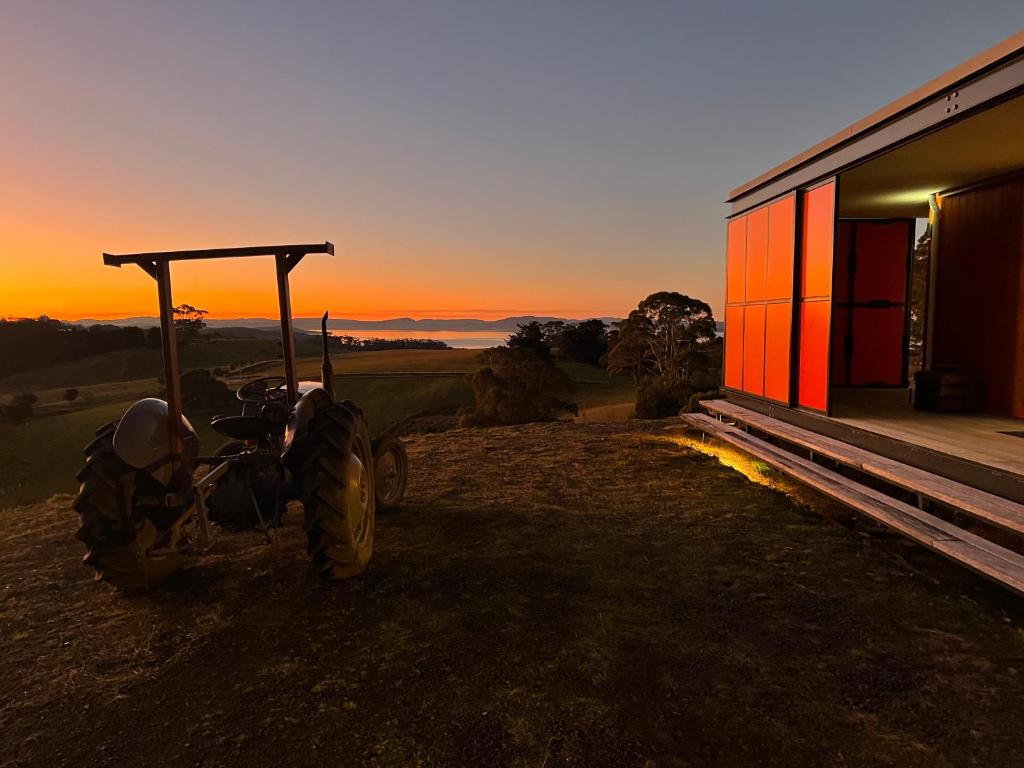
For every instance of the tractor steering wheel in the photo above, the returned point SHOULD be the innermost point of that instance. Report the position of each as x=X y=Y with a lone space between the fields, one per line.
x=269 y=388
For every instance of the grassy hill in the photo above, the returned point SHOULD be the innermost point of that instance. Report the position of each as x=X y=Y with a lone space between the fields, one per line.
x=548 y=595
x=41 y=456
x=138 y=363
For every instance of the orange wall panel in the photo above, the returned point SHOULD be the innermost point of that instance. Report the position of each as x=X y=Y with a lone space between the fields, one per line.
x=736 y=258
x=778 y=330
x=757 y=254
x=734 y=347
x=781 y=248
x=818 y=239
x=815 y=317
x=753 y=349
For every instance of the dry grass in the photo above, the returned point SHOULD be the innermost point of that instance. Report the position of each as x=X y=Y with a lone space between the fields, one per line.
x=559 y=594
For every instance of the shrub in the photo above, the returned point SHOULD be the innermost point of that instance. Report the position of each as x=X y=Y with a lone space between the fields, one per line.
x=515 y=386
x=201 y=389
x=70 y=395
x=661 y=397
x=15 y=413
x=25 y=398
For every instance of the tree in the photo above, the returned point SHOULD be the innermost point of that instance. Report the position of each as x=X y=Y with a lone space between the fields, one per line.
x=152 y=337
x=515 y=386
x=919 y=299
x=670 y=346
x=33 y=343
x=189 y=322
x=585 y=342
x=530 y=337
x=675 y=326
x=629 y=351
x=553 y=333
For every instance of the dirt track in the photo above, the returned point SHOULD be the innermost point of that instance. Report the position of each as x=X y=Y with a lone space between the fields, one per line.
x=565 y=594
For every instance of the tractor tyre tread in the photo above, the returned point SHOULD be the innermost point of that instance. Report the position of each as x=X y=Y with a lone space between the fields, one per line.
x=111 y=542
x=322 y=490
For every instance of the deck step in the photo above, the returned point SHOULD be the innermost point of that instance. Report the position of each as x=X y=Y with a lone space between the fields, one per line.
x=981 y=504
x=997 y=563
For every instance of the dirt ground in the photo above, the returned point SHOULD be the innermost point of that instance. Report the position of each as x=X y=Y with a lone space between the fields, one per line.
x=563 y=594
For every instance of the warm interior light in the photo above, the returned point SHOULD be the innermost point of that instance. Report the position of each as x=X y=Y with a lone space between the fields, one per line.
x=906 y=197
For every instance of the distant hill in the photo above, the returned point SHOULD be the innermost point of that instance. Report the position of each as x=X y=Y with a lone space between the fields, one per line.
x=505 y=324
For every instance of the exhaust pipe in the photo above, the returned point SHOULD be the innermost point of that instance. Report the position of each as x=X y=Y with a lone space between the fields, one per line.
x=326 y=371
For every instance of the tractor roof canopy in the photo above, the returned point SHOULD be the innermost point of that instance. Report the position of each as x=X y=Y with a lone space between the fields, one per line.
x=157 y=265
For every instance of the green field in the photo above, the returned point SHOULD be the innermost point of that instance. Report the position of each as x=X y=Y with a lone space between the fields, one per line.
x=141 y=363
x=41 y=456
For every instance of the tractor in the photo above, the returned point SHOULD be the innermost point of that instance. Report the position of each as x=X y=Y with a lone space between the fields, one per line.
x=148 y=496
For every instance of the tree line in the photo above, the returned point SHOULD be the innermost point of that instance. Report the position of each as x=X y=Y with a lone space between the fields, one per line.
x=352 y=344
x=26 y=344
x=30 y=343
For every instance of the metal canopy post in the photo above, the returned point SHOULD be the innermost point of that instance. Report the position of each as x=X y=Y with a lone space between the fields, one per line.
x=161 y=272
x=172 y=385
x=284 y=263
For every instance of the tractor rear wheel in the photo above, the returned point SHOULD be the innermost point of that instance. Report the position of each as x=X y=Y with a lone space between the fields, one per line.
x=391 y=471
x=121 y=551
x=337 y=491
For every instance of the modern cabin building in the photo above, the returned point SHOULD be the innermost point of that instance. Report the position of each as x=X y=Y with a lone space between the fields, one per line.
x=874 y=305
x=829 y=311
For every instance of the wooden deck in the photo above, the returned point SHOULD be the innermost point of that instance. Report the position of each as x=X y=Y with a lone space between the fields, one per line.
x=985 y=506
x=997 y=563
x=976 y=437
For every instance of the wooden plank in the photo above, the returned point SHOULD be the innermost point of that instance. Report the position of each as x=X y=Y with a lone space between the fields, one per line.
x=990 y=560
x=986 y=506
x=941 y=529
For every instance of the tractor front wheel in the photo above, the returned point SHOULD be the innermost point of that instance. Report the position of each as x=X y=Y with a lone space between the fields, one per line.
x=391 y=470
x=122 y=552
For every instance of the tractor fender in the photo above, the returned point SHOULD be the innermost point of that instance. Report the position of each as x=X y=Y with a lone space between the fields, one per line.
x=296 y=432
x=142 y=440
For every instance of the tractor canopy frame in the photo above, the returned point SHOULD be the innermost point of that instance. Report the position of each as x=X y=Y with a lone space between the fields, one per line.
x=157 y=266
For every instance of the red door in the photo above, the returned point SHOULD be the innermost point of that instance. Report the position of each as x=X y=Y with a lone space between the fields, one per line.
x=869 y=337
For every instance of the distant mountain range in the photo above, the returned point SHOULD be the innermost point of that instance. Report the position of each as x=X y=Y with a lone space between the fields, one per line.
x=505 y=324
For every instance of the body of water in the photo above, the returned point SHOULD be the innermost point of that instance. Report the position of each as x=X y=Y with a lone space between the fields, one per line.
x=457 y=339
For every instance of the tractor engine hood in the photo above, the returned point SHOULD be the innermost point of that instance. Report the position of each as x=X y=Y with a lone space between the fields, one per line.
x=143 y=441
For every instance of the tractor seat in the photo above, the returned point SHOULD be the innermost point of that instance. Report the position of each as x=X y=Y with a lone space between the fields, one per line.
x=245 y=427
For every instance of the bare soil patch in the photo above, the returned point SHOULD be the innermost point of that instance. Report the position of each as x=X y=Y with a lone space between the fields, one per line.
x=559 y=594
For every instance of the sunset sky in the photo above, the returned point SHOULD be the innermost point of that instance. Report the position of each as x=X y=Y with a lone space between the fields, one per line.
x=466 y=158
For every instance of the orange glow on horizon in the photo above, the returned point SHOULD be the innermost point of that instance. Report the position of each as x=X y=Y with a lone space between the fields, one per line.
x=61 y=275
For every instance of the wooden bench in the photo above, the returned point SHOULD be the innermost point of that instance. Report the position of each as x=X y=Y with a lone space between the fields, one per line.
x=981 y=504
x=997 y=563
